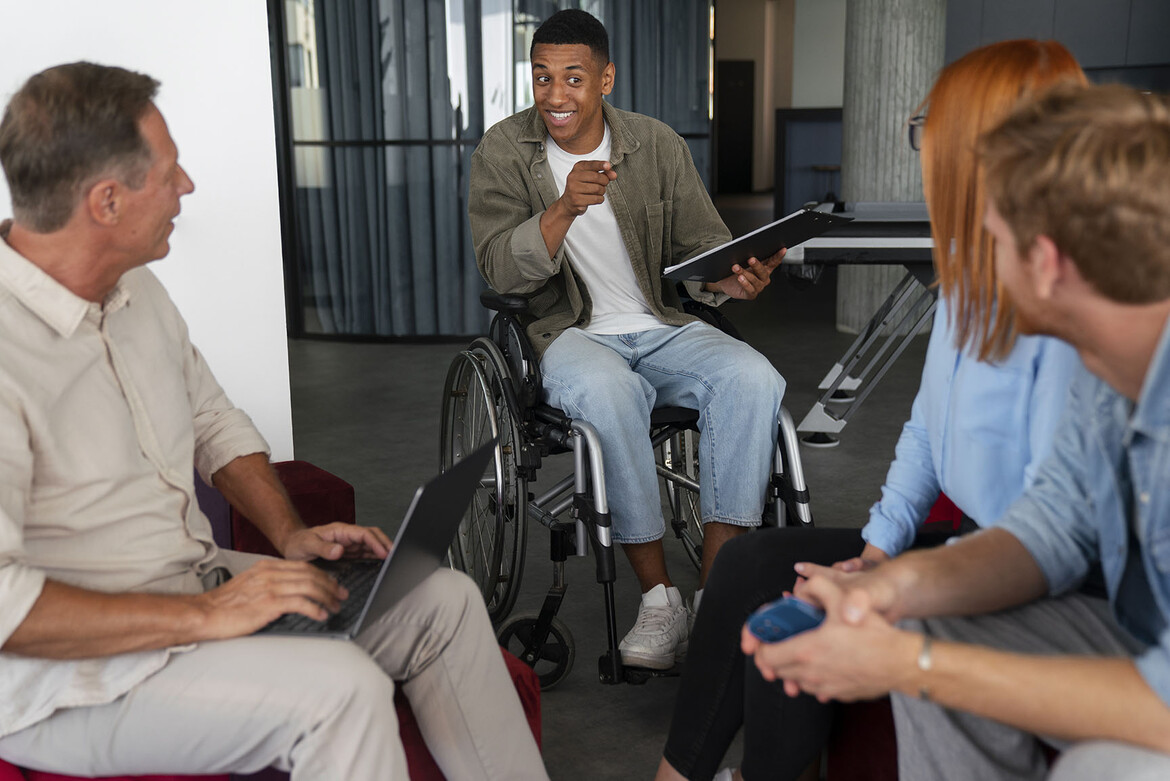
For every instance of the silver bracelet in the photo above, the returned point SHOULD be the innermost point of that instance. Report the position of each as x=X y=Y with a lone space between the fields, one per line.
x=925 y=662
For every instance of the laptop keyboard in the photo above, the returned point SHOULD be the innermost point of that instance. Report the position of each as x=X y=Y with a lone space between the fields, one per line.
x=357 y=575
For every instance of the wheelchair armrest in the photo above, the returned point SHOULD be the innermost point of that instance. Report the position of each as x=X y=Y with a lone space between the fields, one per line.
x=503 y=302
x=712 y=316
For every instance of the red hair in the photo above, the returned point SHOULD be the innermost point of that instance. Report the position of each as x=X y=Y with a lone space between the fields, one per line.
x=972 y=95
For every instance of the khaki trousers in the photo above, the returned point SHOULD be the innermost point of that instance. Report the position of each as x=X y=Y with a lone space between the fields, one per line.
x=320 y=708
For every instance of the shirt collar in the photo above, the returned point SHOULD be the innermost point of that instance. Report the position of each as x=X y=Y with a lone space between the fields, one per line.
x=1151 y=416
x=60 y=308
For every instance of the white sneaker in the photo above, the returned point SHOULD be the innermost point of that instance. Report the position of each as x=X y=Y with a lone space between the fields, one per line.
x=659 y=636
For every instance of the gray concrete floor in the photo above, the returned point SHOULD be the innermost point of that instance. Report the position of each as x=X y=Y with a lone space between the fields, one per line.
x=370 y=414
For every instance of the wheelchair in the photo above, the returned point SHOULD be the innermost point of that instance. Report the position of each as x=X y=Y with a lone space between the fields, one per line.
x=493 y=390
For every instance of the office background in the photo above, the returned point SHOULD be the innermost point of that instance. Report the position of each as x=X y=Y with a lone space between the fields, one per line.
x=369 y=109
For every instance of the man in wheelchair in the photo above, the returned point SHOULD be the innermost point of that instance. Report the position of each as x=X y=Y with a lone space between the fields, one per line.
x=578 y=206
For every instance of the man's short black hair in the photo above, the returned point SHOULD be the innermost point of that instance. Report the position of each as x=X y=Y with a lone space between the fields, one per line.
x=573 y=26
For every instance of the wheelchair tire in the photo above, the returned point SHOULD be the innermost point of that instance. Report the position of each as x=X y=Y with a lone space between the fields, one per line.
x=478 y=404
x=551 y=659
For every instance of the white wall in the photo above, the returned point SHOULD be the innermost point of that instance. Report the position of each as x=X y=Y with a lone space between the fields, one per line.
x=818 y=54
x=224 y=270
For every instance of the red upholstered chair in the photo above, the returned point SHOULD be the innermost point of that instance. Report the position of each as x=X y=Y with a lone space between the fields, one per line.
x=319 y=496
x=862 y=745
x=944 y=514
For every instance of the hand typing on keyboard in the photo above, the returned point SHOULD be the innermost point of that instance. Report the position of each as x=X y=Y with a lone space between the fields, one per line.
x=335 y=540
x=262 y=594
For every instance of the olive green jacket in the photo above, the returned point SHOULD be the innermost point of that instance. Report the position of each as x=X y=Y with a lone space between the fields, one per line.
x=662 y=208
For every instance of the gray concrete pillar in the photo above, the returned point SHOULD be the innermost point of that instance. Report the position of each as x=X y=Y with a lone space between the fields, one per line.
x=893 y=51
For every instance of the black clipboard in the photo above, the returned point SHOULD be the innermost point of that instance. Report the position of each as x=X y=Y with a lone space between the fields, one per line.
x=715 y=264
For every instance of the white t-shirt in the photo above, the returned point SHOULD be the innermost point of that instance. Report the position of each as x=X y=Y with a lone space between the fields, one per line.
x=594 y=247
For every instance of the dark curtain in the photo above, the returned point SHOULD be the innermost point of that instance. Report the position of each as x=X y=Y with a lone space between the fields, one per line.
x=384 y=238
x=660 y=51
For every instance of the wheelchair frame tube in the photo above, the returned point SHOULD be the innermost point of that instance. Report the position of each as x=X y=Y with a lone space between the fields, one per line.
x=676 y=478
x=788 y=442
x=551 y=494
x=596 y=464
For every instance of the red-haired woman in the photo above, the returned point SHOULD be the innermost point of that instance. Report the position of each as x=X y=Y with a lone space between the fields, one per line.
x=982 y=421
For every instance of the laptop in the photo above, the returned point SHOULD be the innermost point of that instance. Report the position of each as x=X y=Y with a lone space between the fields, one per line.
x=422 y=541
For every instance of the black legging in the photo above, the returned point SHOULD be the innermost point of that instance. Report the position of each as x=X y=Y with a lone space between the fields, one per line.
x=721 y=690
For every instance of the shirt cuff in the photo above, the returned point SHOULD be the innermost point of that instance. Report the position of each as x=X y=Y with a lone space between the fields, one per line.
x=1039 y=543
x=530 y=252
x=883 y=533
x=232 y=436
x=698 y=293
x=20 y=586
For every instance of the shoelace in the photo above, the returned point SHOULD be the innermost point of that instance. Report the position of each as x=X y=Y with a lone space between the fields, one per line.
x=654 y=619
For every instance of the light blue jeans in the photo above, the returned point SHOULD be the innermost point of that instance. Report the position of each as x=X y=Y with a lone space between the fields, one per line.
x=613 y=381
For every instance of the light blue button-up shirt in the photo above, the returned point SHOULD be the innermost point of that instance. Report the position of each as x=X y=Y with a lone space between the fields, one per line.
x=977 y=432
x=1104 y=496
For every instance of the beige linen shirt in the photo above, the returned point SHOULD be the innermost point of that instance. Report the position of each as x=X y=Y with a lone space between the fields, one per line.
x=105 y=411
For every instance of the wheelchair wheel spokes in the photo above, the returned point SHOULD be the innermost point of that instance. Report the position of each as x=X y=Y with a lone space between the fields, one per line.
x=690 y=529
x=679 y=455
x=489 y=545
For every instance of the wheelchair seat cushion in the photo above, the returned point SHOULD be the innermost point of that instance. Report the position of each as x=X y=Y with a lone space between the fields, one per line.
x=674 y=416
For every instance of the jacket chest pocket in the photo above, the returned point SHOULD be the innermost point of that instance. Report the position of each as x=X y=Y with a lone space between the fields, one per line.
x=658 y=244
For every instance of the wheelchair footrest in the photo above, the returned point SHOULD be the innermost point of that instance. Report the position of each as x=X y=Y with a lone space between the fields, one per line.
x=611 y=670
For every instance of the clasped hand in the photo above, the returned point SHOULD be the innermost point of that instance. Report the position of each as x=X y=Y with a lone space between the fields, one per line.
x=273 y=587
x=856 y=653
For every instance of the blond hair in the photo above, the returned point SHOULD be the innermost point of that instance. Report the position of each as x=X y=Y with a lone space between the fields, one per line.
x=1090 y=169
x=971 y=95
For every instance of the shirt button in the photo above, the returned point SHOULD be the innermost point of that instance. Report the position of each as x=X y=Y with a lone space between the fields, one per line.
x=1145 y=497
x=540 y=176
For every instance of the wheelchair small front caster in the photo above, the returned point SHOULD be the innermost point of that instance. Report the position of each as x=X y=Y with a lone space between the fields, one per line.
x=551 y=656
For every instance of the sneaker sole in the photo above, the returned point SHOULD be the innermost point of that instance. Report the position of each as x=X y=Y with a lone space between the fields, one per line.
x=630 y=659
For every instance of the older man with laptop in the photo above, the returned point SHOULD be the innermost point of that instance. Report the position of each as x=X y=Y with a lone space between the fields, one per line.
x=126 y=634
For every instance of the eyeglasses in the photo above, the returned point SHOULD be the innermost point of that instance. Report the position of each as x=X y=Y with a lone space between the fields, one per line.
x=915 y=126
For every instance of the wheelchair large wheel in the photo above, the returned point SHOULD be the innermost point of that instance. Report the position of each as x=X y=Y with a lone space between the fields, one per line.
x=550 y=658
x=677 y=454
x=478 y=404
